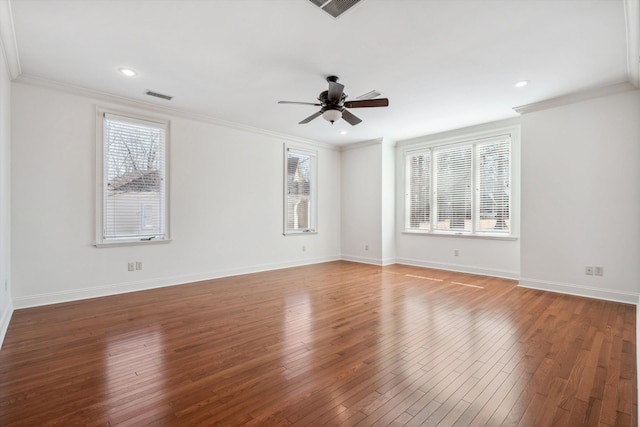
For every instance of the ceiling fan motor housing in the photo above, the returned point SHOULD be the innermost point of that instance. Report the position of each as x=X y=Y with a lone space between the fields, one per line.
x=324 y=98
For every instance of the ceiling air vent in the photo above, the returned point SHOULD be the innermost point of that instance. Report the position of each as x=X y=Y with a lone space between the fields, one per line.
x=335 y=8
x=159 y=95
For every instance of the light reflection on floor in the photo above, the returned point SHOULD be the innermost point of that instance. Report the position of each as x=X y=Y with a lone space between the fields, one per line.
x=135 y=361
x=298 y=333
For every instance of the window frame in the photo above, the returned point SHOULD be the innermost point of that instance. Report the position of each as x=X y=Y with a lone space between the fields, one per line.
x=100 y=240
x=474 y=140
x=313 y=191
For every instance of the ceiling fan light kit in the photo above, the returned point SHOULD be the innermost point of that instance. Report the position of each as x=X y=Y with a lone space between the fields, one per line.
x=333 y=104
x=332 y=115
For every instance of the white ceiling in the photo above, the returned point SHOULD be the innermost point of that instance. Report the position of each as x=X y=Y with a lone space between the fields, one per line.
x=443 y=64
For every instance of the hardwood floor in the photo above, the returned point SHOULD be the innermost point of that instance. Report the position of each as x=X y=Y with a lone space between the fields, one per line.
x=337 y=344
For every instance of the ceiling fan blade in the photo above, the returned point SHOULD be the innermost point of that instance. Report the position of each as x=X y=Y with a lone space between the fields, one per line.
x=379 y=102
x=301 y=103
x=350 y=118
x=370 y=95
x=335 y=92
x=311 y=117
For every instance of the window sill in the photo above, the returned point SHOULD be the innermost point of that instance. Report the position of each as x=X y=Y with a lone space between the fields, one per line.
x=116 y=244
x=467 y=235
x=299 y=233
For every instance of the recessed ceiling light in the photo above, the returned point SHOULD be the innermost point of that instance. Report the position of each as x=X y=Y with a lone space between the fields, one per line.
x=521 y=83
x=127 y=72
x=343 y=132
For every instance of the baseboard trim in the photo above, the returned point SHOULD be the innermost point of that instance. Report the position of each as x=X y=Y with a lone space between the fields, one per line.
x=120 y=288
x=4 y=322
x=367 y=260
x=143 y=285
x=579 y=290
x=505 y=274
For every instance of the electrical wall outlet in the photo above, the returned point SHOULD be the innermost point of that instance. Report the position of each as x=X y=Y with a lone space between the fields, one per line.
x=131 y=266
x=138 y=265
x=366 y=247
x=456 y=252
x=588 y=270
x=598 y=271
x=304 y=248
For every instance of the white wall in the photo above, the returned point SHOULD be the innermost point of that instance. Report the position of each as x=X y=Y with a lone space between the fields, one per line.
x=581 y=197
x=368 y=197
x=361 y=195
x=388 y=199
x=6 y=306
x=226 y=192
x=492 y=257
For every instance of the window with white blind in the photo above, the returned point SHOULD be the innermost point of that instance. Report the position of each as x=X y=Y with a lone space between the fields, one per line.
x=299 y=191
x=132 y=193
x=460 y=188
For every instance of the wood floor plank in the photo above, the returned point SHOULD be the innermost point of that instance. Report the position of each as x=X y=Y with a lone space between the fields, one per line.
x=336 y=343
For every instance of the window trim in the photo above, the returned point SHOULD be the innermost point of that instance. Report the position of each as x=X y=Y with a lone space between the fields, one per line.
x=313 y=229
x=100 y=241
x=474 y=138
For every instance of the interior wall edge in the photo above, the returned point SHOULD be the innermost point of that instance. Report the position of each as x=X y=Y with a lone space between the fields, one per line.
x=7 y=312
x=581 y=291
x=8 y=43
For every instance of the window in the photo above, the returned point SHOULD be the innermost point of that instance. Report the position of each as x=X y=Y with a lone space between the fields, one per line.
x=300 y=191
x=460 y=188
x=132 y=193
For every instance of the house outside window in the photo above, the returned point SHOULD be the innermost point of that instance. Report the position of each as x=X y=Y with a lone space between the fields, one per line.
x=300 y=191
x=132 y=195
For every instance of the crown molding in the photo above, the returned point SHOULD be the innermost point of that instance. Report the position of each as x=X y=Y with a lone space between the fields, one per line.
x=632 y=20
x=574 y=97
x=8 y=42
x=473 y=131
x=168 y=111
x=361 y=144
x=377 y=141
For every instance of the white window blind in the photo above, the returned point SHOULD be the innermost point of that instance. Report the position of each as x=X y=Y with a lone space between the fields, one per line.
x=300 y=200
x=494 y=183
x=453 y=188
x=461 y=188
x=133 y=179
x=419 y=182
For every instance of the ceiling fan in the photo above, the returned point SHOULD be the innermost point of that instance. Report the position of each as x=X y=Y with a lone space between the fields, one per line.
x=333 y=104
